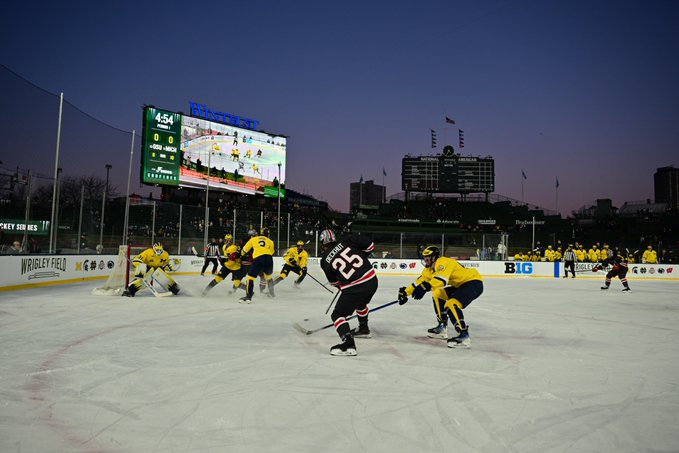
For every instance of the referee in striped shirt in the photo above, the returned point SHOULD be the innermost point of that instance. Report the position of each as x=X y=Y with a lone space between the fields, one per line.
x=212 y=254
x=569 y=259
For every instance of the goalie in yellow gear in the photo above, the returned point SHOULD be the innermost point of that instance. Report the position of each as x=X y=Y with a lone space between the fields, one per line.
x=150 y=261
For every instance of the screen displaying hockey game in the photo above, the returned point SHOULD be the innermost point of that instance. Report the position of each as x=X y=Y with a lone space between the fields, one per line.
x=239 y=159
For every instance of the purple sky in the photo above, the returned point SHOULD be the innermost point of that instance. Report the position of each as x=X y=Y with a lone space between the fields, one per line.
x=583 y=91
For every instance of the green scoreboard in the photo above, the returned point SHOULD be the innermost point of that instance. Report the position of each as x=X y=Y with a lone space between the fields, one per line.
x=160 y=147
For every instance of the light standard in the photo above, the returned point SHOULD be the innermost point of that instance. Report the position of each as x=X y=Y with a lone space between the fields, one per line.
x=278 y=229
x=103 y=207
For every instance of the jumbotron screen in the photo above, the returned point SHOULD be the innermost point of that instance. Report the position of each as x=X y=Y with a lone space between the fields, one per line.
x=178 y=149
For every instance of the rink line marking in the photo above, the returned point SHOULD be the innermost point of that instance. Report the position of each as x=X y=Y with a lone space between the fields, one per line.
x=58 y=282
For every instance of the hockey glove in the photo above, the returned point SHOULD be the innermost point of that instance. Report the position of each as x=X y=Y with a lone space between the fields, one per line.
x=595 y=269
x=402 y=295
x=139 y=270
x=421 y=290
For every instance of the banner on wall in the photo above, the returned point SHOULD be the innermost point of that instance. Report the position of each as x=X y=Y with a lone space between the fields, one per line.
x=36 y=270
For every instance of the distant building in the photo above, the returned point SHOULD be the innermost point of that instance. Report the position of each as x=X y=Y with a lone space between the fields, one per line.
x=366 y=194
x=666 y=184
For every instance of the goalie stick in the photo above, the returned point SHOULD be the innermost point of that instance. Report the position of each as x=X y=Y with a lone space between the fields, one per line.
x=306 y=331
x=150 y=287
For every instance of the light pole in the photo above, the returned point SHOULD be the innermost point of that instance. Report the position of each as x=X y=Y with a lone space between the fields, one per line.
x=103 y=208
x=278 y=229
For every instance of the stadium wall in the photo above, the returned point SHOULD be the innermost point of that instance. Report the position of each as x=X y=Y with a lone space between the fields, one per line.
x=20 y=272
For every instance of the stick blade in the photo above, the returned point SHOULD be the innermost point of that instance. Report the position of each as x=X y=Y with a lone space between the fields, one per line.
x=301 y=329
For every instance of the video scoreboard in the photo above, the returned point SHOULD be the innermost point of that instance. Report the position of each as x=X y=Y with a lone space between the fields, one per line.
x=187 y=151
x=448 y=174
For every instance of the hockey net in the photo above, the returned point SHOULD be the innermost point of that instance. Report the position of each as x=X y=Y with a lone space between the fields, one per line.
x=119 y=278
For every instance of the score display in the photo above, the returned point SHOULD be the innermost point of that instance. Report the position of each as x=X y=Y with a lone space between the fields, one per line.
x=448 y=174
x=183 y=151
x=160 y=156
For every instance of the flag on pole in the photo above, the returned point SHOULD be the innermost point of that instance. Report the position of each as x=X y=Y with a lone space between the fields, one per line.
x=384 y=172
x=557 y=183
x=523 y=174
x=360 y=181
x=449 y=121
x=461 y=138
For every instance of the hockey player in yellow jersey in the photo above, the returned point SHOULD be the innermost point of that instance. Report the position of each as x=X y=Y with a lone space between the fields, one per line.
x=649 y=256
x=232 y=265
x=453 y=288
x=593 y=254
x=262 y=249
x=549 y=254
x=295 y=261
x=150 y=261
x=581 y=254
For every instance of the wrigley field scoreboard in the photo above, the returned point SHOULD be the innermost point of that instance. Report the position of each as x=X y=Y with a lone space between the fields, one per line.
x=448 y=174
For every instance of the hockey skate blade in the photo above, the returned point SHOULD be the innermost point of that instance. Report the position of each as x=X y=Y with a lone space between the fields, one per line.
x=463 y=345
x=438 y=336
x=340 y=353
x=164 y=294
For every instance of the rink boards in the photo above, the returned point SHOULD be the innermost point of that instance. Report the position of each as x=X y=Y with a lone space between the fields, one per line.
x=20 y=272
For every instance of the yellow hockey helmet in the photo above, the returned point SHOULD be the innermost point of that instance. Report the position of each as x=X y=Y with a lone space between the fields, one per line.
x=429 y=255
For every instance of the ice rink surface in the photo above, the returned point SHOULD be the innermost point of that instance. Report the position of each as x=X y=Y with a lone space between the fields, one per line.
x=555 y=366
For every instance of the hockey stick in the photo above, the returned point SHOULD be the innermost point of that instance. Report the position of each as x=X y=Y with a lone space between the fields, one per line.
x=316 y=280
x=333 y=301
x=305 y=331
x=150 y=287
x=155 y=291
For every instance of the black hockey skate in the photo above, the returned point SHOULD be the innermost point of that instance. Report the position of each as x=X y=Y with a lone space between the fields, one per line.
x=346 y=348
x=627 y=290
x=604 y=287
x=440 y=331
x=127 y=293
x=460 y=341
x=362 y=331
x=245 y=300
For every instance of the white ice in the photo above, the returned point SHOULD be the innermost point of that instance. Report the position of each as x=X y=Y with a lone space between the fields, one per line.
x=555 y=366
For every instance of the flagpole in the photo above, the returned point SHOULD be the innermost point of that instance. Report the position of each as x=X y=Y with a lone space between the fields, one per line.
x=556 y=189
x=522 y=179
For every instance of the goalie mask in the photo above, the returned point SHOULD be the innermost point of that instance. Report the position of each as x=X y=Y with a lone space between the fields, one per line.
x=158 y=248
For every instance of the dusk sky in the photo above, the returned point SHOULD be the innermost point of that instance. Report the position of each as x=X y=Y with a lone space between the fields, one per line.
x=583 y=91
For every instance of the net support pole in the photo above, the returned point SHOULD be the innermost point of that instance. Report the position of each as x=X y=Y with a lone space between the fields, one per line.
x=179 y=240
x=56 y=166
x=80 y=218
x=207 y=200
x=153 y=224
x=24 y=246
x=127 y=198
